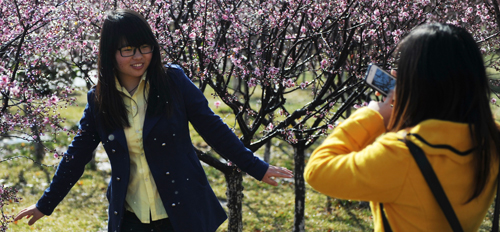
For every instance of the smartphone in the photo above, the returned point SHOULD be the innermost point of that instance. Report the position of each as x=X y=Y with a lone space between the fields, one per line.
x=379 y=79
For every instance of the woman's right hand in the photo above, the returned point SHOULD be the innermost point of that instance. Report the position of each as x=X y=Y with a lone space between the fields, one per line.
x=384 y=107
x=32 y=212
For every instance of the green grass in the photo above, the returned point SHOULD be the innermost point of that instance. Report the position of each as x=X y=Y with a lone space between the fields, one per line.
x=83 y=209
x=265 y=208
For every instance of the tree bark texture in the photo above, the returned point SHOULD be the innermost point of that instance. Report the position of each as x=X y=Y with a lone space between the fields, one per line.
x=39 y=151
x=329 y=205
x=300 y=188
x=234 y=193
x=267 y=151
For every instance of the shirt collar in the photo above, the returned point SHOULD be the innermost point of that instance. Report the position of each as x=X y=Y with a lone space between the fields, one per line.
x=122 y=89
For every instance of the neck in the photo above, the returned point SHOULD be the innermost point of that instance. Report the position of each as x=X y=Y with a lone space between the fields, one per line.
x=130 y=84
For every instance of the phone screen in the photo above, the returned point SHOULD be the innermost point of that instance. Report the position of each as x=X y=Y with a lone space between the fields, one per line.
x=381 y=80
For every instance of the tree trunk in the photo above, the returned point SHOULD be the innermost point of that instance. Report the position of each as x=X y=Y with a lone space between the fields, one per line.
x=267 y=151
x=92 y=165
x=234 y=193
x=329 y=204
x=300 y=188
x=39 y=151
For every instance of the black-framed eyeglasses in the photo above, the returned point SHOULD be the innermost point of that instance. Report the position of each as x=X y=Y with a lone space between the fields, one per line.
x=128 y=51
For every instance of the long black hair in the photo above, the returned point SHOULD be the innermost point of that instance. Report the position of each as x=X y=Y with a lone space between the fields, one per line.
x=126 y=26
x=441 y=75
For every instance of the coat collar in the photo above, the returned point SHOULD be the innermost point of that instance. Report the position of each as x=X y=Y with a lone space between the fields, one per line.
x=434 y=136
x=149 y=123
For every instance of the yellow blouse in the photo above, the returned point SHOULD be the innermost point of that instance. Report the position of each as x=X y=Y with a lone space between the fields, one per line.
x=358 y=161
x=142 y=195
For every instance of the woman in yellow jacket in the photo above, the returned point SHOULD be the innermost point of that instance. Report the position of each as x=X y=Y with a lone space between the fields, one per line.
x=441 y=103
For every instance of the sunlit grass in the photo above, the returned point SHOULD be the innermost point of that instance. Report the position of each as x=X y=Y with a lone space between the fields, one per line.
x=265 y=208
x=83 y=209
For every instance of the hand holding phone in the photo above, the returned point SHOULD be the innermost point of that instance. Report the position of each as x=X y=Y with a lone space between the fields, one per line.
x=379 y=79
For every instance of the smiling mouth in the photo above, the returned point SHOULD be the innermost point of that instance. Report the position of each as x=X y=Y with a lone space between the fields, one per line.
x=137 y=65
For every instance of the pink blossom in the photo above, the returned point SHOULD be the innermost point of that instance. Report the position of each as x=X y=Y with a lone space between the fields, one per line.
x=46 y=120
x=192 y=35
x=397 y=32
x=252 y=82
x=330 y=127
x=15 y=90
x=324 y=63
x=217 y=104
x=270 y=126
x=289 y=83
x=273 y=70
x=56 y=155
x=303 y=85
x=53 y=100
x=493 y=100
x=4 y=80
x=303 y=29
x=371 y=32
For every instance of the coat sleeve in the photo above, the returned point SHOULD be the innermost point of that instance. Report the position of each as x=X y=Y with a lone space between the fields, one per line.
x=350 y=164
x=73 y=163
x=213 y=130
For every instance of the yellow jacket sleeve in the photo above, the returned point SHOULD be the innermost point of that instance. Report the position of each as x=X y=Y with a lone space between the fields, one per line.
x=350 y=164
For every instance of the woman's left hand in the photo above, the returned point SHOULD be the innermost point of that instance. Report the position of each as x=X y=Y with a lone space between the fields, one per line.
x=273 y=172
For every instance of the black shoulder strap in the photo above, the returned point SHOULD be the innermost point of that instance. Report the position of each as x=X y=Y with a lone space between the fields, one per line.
x=434 y=185
x=438 y=192
x=385 y=222
x=436 y=188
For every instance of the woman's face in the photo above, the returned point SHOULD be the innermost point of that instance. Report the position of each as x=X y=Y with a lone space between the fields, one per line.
x=132 y=66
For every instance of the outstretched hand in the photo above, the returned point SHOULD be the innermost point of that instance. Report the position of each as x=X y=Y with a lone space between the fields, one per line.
x=32 y=212
x=273 y=172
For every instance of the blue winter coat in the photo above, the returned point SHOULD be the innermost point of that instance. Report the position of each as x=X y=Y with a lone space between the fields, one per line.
x=183 y=187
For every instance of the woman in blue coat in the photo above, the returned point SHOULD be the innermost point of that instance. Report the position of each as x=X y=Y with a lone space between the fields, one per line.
x=140 y=111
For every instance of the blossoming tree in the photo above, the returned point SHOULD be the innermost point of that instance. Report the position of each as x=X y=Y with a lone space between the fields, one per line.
x=255 y=55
